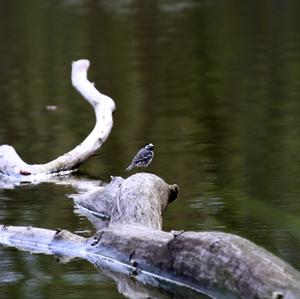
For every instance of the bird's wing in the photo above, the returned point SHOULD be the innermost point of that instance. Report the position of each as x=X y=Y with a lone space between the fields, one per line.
x=142 y=155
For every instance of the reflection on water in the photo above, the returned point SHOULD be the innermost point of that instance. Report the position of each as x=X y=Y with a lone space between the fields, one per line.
x=38 y=276
x=214 y=85
x=144 y=285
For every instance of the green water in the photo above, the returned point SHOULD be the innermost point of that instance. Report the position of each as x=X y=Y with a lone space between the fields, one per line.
x=214 y=85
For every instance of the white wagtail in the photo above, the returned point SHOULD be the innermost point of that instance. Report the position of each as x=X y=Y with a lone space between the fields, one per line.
x=143 y=158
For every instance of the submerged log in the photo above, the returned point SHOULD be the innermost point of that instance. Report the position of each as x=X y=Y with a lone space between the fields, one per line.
x=214 y=263
x=13 y=166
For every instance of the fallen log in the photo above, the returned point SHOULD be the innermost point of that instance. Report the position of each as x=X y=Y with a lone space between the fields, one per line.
x=213 y=263
x=141 y=199
x=13 y=166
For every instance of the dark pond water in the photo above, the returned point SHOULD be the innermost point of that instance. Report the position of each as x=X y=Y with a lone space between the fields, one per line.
x=215 y=85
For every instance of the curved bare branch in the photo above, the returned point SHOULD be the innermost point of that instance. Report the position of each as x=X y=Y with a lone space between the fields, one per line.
x=12 y=165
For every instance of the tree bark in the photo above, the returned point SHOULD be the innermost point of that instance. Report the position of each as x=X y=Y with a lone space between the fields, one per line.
x=13 y=166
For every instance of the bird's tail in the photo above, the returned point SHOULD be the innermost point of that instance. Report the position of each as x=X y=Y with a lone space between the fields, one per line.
x=129 y=167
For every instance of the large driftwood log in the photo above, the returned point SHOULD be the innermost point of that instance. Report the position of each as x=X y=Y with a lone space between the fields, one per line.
x=141 y=199
x=214 y=263
x=13 y=166
x=217 y=264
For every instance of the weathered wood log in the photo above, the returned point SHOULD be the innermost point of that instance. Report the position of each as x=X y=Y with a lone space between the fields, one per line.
x=214 y=263
x=13 y=166
x=66 y=246
x=210 y=262
x=140 y=199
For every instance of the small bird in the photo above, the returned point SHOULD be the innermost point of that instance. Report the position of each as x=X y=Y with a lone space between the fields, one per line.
x=143 y=158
